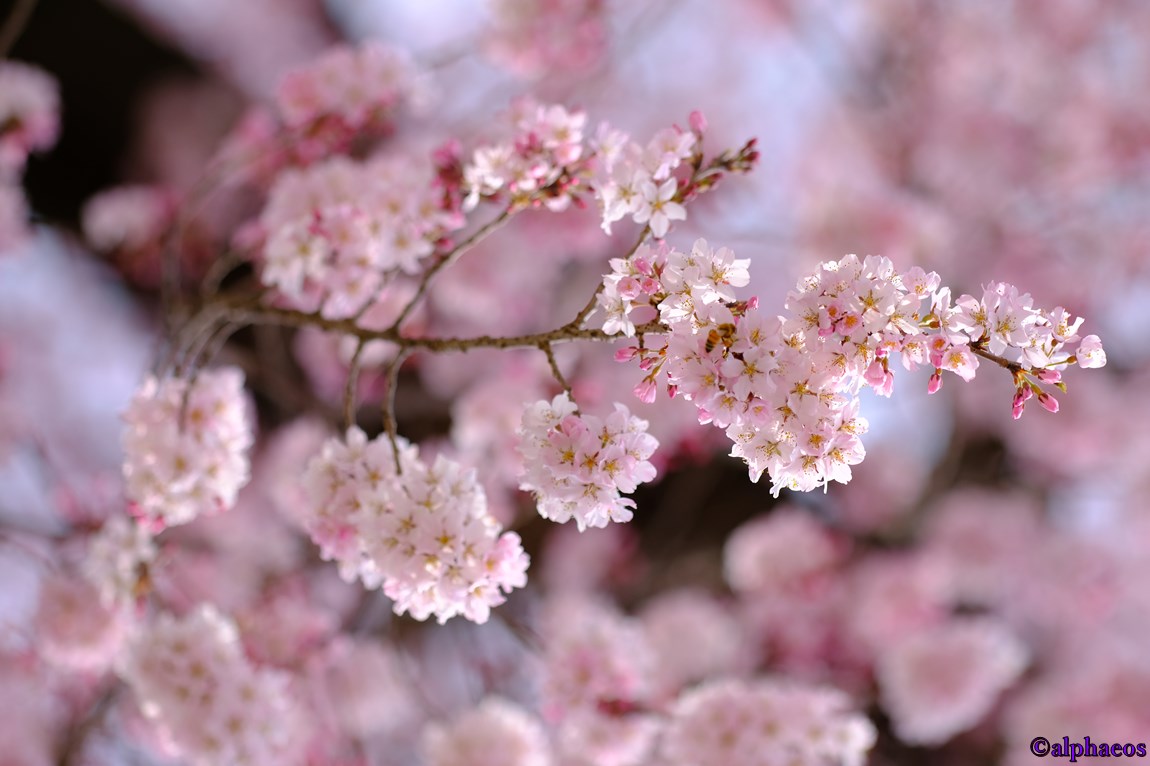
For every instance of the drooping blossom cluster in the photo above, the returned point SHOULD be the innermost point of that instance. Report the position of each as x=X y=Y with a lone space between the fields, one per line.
x=74 y=627
x=596 y=657
x=130 y=217
x=883 y=618
x=29 y=122
x=340 y=230
x=129 y=223
x=421 y=531
x=497 y=732
x=186 y=447
x=116 y=560
x=785 y=388
x=349 y=92
x=577 y=465
x=211 y=705
x=29 y=114
x=939 y=682
x=764 y=722
x=536 y=37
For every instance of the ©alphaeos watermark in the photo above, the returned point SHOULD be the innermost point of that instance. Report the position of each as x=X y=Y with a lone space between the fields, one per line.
x=1042 y=747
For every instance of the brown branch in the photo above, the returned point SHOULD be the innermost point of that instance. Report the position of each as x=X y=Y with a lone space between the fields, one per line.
x=389 y=423
x=566 y=333
x=349 y=394
x=1014 y=367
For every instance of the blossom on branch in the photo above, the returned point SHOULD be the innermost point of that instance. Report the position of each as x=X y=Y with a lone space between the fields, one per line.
x=186 y=447
x=211 y=704
x=577 y=465
x=421 y=531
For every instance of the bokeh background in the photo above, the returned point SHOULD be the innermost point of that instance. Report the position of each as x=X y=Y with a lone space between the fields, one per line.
x=987 y=140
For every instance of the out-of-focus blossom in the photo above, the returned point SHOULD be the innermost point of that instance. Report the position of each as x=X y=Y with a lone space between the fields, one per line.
x=943 y=681
x=186 y=445
x=192 y=679
x=495 y=733
x=29 y=114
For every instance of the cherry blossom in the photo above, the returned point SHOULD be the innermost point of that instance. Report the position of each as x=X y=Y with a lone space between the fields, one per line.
x=495 y=733
x=943 y=681
x=420 y=531
x=763 y=721
x=578 y=465
x=185 y=447
x=190 y=677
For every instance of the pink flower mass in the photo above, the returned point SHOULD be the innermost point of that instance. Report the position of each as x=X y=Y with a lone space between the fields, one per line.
x=573 y=382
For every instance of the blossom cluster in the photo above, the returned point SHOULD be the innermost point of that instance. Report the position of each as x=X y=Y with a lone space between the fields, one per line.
x=29 y=114
x=536 y=37
x=186 y=447
x=785 y=388
x=496 y=732
x=340 y=230
x=763 y=722
x=29 y=122
x=941 y=681
x=210 y=703
x=421 y=531
x=639 y=180
x=550 y=160
x=347 y=92
x=577 y=465
x=543 y=162
x=936 y=673
x=117 y=557
x=130 y=223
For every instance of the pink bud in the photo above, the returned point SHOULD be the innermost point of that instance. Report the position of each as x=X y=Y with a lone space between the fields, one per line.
x=1020 y=397
x=626 y=354
x=672 y=390
x=934 y=383
x=697 y=122
x=753 y=303
x=1048 y=401
x=645 y=391
x=1049 y=376
x=645 y=364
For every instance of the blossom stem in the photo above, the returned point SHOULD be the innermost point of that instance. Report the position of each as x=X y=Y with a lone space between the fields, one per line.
x=451 y=257
x=389 y=422
x=1014 y=367
x=293 y=318
x=545 y=347
x=349 y=393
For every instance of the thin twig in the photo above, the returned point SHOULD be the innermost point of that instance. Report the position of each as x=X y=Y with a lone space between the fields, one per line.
x=590 y=305
x=349 y=394
x=389 y=423
x=451 y=257
x=1013 y=367
x=566 y=333
x=73 y=746
x=546 y=349
x=218 y=272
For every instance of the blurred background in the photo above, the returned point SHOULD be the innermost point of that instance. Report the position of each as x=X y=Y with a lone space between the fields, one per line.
x=986 y=140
